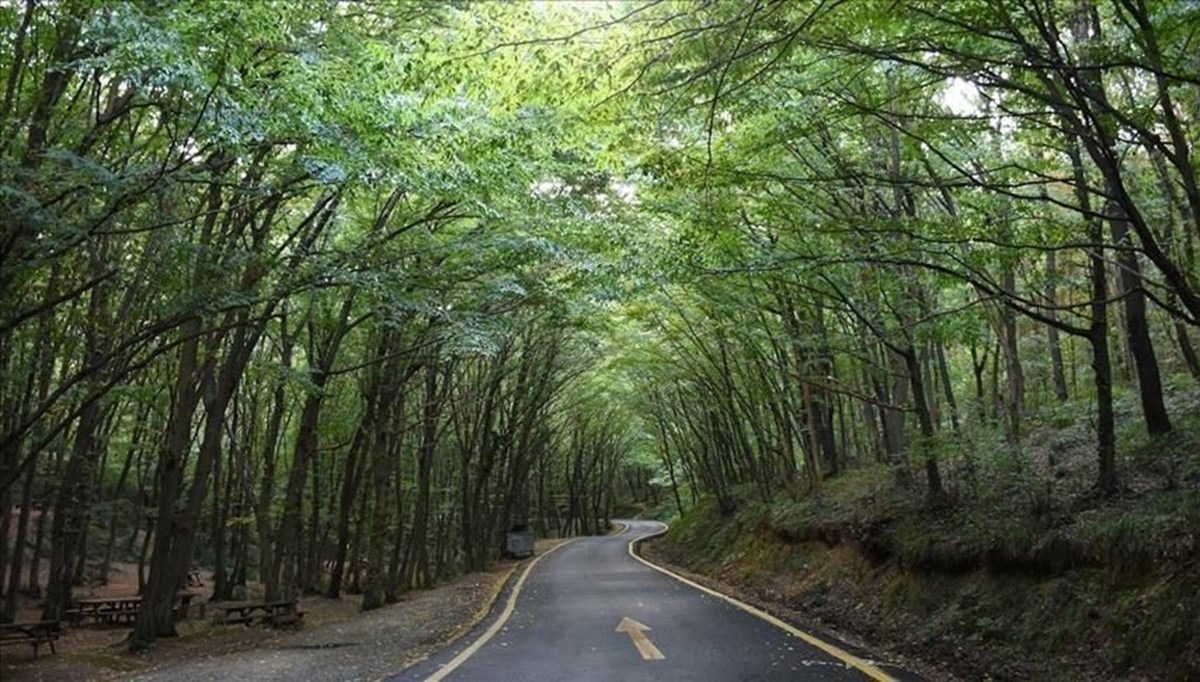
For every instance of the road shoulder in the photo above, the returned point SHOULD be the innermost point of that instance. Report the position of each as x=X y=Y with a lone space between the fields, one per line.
x=899 y=667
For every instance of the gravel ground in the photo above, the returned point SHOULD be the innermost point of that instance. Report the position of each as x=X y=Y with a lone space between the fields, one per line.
x=366 y=648
x=337 y=643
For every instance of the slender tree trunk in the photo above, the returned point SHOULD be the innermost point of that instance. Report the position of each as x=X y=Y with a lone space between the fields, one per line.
x=34 y=586
x=933 y=475
x=1056 y=356
x=18 y=550
x=356 y=549
x=1101 y=365
x=268 y=569
x=322 y=353
x=173 y=554
x=350 y=490
x=947 y=387
x=1137 y=327
x=374 y=587
x=418 y=565
x=979 y=368
x=5 y=522
x=1015 y=375
x=134 y=447
x=219 y=502
x=70 y=513
x=1106 y=439
x=311 y=561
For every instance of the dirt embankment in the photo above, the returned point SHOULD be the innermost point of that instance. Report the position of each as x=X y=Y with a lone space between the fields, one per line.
x=1108 y=591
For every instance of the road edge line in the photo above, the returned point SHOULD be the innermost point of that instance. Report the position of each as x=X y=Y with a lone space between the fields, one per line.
x=509 y=607
x=478 y=617
x=862 y=666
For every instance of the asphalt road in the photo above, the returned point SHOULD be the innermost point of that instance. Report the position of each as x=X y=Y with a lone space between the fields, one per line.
x=579 y=613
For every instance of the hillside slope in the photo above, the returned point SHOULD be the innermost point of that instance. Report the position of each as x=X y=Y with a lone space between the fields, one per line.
x=1086 y=589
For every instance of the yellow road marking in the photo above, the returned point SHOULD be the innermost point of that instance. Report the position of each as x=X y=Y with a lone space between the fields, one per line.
x=509 y=607
x=846 y=657
x=637 y=633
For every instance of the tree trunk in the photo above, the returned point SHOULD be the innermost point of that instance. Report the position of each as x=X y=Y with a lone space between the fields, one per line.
x=34 y=588
x=979 y=367
x=1106 y=439
x=933 y=475
x=176 y=531
x=1137 y=328
x=18 y=550
x=1015 y=375
x=384 y=453
x=322 y=354
x=350 y=490
x=947 y=387
x=135 y=442
x=418 y=574
x=1056 y=356
x=70 y=513
x=268 y=570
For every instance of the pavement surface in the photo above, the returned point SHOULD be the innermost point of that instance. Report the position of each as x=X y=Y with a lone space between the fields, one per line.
x=590 y=611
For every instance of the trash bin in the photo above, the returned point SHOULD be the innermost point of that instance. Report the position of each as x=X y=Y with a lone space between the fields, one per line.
x=519 y=542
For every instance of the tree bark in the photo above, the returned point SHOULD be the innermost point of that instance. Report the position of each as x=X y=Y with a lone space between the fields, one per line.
x=1137 y=327
x=1056 y=356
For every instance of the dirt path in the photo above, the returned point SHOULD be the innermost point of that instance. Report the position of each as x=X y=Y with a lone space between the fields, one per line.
x=343 y=645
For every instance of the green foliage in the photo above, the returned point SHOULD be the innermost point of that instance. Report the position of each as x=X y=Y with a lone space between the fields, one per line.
x=798 y=260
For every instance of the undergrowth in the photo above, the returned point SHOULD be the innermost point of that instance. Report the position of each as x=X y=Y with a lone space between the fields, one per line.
x=1026 y=574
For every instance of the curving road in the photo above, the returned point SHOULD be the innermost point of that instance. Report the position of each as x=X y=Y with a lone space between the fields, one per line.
x=588 y=610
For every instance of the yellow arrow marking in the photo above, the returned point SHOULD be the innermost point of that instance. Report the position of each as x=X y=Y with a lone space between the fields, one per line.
x=637 y=633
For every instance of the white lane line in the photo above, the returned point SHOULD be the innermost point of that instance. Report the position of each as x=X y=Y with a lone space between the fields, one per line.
x=509 y=607
x=864 y=667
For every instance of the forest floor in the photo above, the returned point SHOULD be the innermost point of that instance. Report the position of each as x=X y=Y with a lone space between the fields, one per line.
x=1031 y=576
x=337 y=641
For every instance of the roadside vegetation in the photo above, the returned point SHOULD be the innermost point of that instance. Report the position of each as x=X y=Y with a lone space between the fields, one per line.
x=926 y=372
x=1028 y=577
x=329 y=296
x=281 y=299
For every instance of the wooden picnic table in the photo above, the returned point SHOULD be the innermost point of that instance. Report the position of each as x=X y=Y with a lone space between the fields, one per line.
x=105 y=610
x=119 y=610
x=269 y=613
x=33 y=634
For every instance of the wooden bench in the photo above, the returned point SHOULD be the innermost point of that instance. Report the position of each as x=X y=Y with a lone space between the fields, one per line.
x=33 y=634
x=266 y=613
